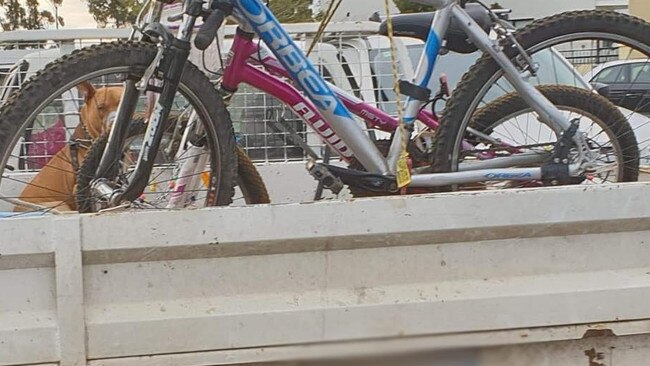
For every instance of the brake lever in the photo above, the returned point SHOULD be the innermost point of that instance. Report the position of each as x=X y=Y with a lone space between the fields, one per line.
x=208 y=31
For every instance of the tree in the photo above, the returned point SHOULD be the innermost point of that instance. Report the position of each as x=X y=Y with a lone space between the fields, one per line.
x=292 y=11
x=26 y=15
x=406 y=6
x=120 y=13
x=14 y=14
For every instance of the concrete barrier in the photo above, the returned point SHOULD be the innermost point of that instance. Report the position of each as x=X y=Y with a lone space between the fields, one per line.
x=280 y=282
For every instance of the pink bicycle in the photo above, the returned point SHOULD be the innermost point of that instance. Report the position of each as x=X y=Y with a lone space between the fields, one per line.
x=586 y=138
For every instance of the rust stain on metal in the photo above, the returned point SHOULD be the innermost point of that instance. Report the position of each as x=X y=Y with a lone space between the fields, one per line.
x=595 y=357
x=604 y=332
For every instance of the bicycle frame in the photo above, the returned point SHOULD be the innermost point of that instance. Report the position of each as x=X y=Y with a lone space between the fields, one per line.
x=240 y=68
x=338 y=125
x=326 y=108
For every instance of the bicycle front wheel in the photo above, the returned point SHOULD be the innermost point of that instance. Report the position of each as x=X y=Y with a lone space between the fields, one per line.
x=46 y=129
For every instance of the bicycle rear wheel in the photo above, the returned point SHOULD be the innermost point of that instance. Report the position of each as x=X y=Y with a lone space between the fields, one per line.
x=80 y=92
x=549 y=41
x=510 y=120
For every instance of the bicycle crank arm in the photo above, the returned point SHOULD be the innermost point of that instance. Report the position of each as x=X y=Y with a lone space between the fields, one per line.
x=334 y=177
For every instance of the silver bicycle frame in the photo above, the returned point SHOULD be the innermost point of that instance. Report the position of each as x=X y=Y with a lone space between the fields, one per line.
x=545 y=109
x=493 y=169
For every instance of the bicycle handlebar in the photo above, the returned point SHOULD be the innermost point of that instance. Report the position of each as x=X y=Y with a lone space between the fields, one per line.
x=208 y=30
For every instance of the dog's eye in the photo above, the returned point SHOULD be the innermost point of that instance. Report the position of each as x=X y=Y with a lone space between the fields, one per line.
x=100 y=107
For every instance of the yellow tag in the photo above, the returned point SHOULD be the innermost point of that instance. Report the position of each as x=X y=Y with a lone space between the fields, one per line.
x=403 y=171
x=205 y=179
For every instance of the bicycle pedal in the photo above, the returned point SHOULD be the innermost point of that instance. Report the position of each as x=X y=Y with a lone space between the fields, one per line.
x=321 y=173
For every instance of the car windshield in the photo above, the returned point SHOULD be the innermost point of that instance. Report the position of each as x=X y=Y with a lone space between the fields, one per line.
x=553 y=70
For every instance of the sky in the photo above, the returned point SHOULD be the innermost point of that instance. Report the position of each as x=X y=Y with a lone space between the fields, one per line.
x=75 y=14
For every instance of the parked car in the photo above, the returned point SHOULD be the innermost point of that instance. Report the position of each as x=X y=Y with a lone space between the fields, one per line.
x=628 y=81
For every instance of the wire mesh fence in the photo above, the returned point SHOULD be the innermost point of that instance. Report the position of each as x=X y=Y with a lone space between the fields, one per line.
x=350 y=55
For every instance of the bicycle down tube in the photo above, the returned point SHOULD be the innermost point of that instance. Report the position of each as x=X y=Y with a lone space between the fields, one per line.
x=423 y=73
x=267 y=27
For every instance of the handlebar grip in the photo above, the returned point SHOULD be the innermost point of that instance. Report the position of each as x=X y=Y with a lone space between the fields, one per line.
x=208 y=30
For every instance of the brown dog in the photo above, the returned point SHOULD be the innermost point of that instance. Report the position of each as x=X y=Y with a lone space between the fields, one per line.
x=54 y=185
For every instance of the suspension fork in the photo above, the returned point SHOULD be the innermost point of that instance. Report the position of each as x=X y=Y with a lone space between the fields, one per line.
x=175 y=52
x=191 y=154
x=171 y=66
x=128 y=100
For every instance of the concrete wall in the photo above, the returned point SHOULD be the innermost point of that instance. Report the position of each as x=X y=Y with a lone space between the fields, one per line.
x=373 y=276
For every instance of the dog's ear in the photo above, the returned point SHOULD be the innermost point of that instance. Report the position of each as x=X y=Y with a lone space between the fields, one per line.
x=86 y=90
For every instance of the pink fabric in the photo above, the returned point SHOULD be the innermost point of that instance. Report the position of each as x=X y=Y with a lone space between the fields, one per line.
x=45 y=144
